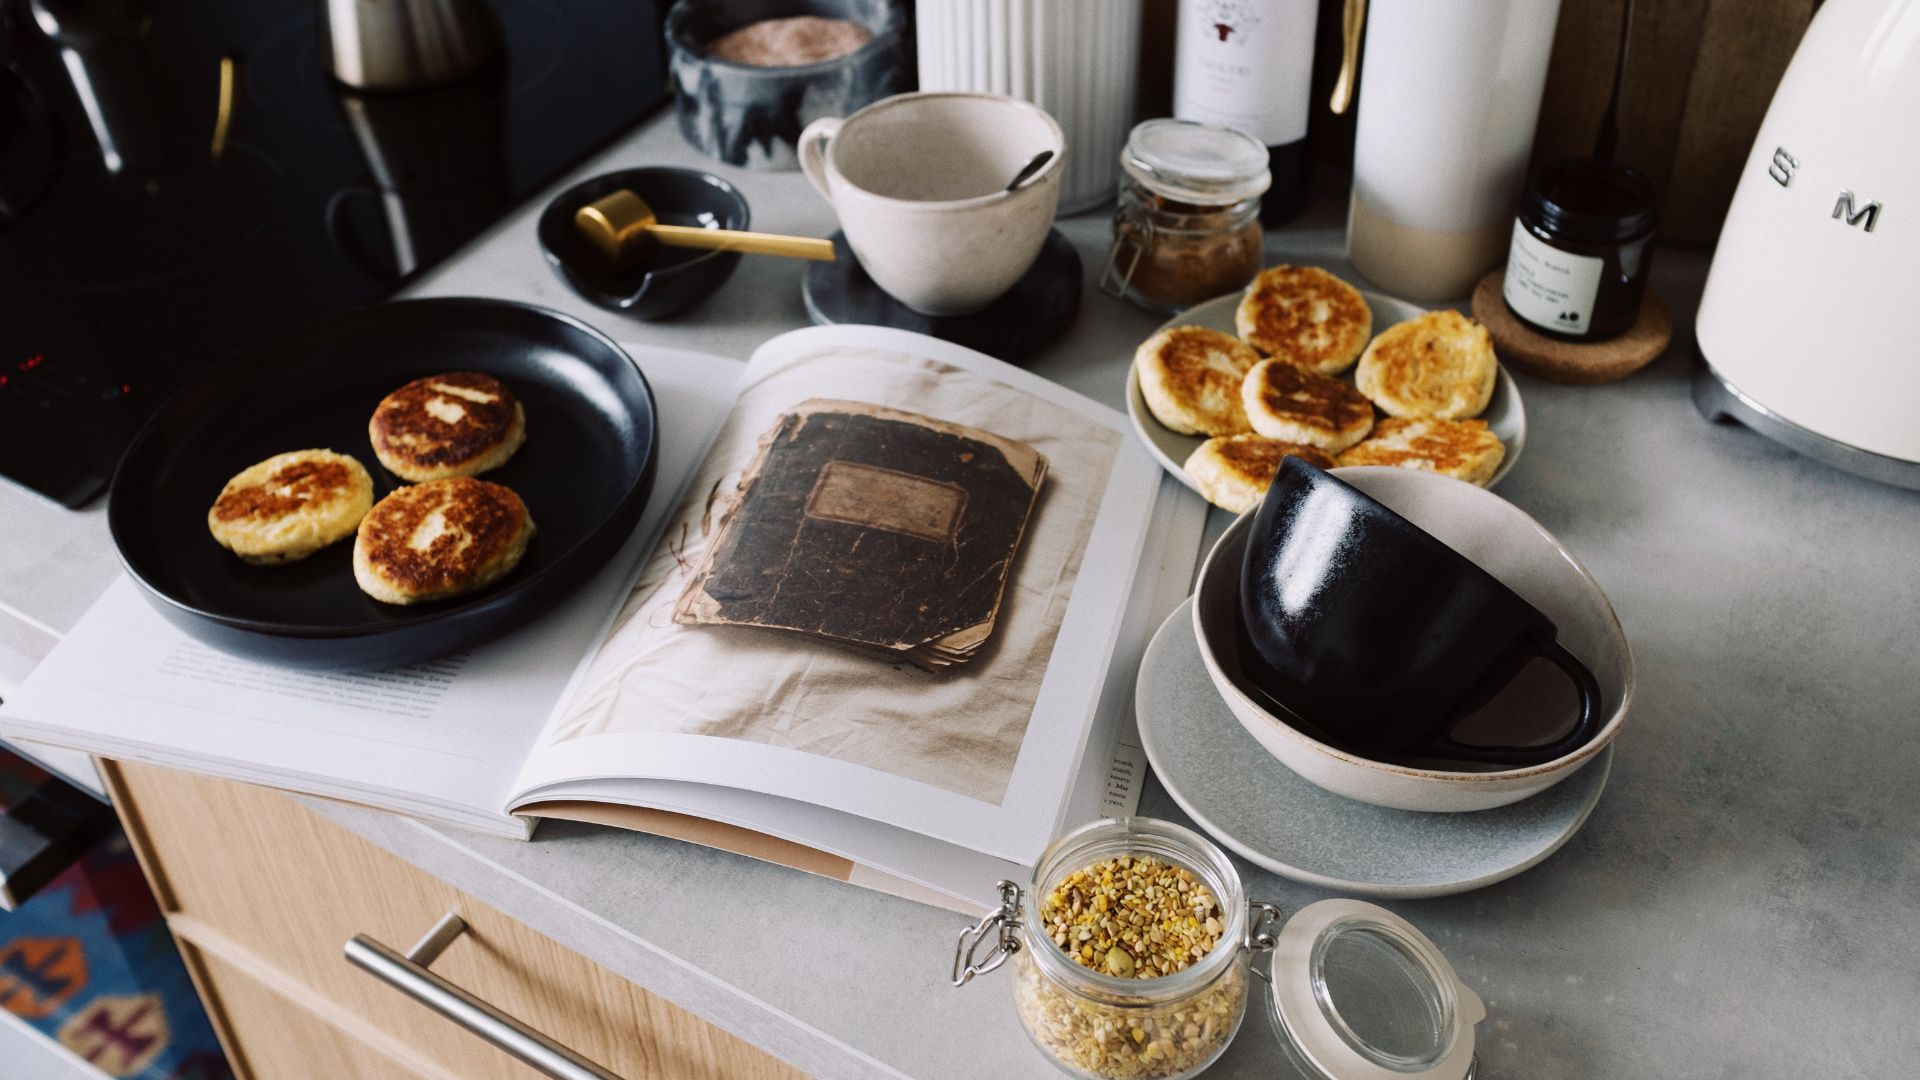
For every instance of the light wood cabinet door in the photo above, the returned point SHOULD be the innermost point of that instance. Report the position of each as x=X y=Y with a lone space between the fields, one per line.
x=273 y=892
x=302 y=1047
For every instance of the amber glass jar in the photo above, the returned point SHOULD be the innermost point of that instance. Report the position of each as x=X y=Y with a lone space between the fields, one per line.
x=1582 y=249
x=1187 y=227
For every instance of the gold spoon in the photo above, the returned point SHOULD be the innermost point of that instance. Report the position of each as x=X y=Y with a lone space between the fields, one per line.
x=622 y=224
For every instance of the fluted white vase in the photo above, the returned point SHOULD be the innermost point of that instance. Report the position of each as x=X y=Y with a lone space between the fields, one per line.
x=1076 y=59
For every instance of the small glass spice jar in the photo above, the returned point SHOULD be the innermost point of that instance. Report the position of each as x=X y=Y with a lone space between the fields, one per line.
x=1352 y=989
x=1582 y=249
x=1187 y=227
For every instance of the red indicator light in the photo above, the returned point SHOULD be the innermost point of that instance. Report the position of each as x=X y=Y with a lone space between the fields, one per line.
x=126 y=388
x=3 y=379
x=32 y=362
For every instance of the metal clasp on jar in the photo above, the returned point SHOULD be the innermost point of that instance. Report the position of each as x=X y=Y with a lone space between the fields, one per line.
x=967 y=961
x=1266 y=919
x=1131 y=228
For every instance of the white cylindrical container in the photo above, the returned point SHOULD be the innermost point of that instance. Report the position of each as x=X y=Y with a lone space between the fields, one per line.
x=1448 y=103
x=1077 y=60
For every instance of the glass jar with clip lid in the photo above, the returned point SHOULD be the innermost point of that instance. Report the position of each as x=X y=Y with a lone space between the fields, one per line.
x=1353 y=991
x=1187 y=225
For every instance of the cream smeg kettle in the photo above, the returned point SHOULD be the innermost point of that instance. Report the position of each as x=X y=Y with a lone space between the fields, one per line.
x=1807 y=329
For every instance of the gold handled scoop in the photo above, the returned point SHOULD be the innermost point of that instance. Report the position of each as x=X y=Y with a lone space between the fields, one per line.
x=622 y=225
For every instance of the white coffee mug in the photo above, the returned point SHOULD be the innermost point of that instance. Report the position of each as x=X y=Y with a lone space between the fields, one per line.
x=919 y=182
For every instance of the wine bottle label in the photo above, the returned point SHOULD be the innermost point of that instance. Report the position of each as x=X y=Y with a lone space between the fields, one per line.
x=1548 y=287
x=1246 y=65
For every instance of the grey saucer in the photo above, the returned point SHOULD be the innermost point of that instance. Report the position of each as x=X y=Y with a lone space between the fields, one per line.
x=1261 y=810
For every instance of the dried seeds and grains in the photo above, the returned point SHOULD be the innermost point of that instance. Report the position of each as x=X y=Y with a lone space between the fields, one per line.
x=1136 y=918
x=1132 y=917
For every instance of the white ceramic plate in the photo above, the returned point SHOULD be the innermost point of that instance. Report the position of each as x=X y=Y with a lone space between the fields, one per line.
x=1505 y=416
x=1261 y=810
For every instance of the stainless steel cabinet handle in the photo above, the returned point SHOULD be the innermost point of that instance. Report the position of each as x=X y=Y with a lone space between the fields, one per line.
x=408 y=974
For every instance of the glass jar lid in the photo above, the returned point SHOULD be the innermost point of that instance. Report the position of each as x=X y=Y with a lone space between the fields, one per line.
x=1362 y=995
x=1196 y=163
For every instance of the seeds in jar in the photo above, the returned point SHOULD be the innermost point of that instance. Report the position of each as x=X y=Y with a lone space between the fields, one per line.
x=1135 y=917
x=1129 y=1042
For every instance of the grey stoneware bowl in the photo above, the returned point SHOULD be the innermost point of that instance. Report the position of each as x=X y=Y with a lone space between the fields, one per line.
x=748 y=115
x=1504 y=541
x=664 y=281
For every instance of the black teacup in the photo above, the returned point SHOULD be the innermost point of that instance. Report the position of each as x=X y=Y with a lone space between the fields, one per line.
x=1380 y=638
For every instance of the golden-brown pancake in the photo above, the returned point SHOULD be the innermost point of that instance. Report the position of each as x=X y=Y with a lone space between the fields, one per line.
x=1463 y=449
x=461 y=423
x=291 y=505
x=440 y=539
x=1190 y=377
x=1438 y=364
x=1234 y=471
x=1305 y=316
x=1288 y=403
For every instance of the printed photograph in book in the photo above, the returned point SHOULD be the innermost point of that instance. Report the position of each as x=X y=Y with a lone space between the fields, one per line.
x=882 y=530
x=862 y=505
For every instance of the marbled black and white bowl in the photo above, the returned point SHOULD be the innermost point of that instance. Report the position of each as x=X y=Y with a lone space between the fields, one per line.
x=753 y=116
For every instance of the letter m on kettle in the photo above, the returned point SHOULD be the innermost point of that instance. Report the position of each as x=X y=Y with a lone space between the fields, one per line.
x=1843 y=211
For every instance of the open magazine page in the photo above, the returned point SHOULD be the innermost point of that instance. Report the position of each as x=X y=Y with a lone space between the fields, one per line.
x=442 y=739
x=980 y=756
x=896 y=861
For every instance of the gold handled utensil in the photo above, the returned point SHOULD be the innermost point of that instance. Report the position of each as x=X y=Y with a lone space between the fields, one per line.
x=1352 y=23
x=622 y=225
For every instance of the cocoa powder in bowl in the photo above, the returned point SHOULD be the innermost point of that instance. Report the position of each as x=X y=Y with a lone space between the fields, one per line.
x=790 y=42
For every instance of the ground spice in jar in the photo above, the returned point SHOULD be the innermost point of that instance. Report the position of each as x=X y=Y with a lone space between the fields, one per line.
x=1134 y=917
x=1187 y=224
x=791 y=42
x=1187 y=254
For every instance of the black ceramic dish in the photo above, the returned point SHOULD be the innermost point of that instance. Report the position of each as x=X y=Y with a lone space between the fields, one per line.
x=665 y=281
x=1380 y=637
x=1038 y=309
x=584 y=473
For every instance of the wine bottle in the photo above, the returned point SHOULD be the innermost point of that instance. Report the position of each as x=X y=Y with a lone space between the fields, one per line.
x=1248 y=65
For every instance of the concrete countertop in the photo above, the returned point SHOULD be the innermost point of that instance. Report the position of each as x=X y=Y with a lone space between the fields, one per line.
x=1741 y=904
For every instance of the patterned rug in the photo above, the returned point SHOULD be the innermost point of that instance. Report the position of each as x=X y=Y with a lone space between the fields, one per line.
x=89 y=962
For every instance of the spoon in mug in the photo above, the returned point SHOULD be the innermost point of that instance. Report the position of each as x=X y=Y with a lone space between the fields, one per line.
x=1026 y=173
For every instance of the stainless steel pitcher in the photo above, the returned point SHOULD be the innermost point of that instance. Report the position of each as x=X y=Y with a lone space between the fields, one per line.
x=407 y=44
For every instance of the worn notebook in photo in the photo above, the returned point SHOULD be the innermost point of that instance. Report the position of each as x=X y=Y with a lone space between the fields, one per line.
x=871 y=527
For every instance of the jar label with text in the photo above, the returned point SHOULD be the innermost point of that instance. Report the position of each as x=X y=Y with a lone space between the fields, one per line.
x=1550 y=288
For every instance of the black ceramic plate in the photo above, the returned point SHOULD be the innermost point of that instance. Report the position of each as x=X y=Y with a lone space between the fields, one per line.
x=584 y=473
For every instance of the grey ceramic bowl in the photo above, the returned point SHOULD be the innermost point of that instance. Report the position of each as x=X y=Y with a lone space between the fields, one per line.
x=753 y=116
x=1508 y=544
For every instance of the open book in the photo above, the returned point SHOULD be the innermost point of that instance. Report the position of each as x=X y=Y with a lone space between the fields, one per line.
x=929 y=784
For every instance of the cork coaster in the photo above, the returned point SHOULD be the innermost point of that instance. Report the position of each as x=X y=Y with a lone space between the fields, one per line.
x=1567 y=361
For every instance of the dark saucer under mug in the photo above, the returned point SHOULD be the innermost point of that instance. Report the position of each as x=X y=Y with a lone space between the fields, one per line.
x=1379 y=637
x=1036 y=311
x=664 y=281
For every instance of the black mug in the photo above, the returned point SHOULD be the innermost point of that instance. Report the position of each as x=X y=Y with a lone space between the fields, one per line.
x=1380 y=638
